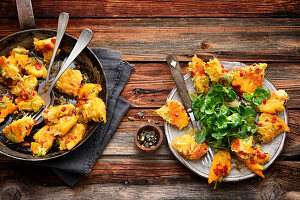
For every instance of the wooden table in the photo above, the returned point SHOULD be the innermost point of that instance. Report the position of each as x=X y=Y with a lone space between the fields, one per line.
x=145 y=31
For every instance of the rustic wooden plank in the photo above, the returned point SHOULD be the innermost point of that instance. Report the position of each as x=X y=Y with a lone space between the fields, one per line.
x=155 y=83
x=122 y=143
x=133 y=178
x=150 y=39
x=158 y=8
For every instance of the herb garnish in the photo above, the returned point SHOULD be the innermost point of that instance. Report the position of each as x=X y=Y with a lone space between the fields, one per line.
x=221 y=123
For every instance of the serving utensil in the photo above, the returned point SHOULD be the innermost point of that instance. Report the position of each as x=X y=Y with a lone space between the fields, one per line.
x=175 y=69
x=63 y=20
x=83 y=40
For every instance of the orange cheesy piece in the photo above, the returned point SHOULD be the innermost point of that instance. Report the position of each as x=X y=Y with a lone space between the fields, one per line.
x=275 y=103
x=220 y=166
x=254 y=158
x=45 y=47
x=19 y=129
x=174 y=113
x=246 y=80
x=216 y=70
x=6 y=108
x=200 y=79
x=269 y=126
x=187 y=146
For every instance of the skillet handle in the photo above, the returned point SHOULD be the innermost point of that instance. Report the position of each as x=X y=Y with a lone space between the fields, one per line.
x=25 y=14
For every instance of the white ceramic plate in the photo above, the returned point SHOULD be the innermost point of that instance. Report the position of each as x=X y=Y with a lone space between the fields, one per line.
x=198 y=166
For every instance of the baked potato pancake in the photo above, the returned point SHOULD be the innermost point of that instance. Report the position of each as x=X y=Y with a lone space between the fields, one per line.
x=220 y=166
x=29 y=100
x=89 y=91
x=53 y=114
x=174 y=113
x=19 y=129
x=275 y=103
x=215 y=70
x=254 y=158
x=69 y=82
x=63 y=125
x=6 y=108
x=242 y=147
x=91 y=109
x=18 y=50
x=44 y=140
x=27 y=83
x=45 y=47
x=246 y=80
x=71 y=139
x=200 y=79
x=187 y=146
x=9 y=69
x=35 y=68
x=269 y=126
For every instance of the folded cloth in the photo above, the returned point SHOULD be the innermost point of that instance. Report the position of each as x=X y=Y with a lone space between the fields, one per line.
x=72 y=166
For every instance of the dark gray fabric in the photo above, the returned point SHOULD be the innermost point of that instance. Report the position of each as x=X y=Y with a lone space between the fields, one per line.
x=80 y=162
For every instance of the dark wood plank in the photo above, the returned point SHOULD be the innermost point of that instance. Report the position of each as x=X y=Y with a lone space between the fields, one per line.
x=134 y=178
x=150 y=83
x=150 y=39
x=158 y=8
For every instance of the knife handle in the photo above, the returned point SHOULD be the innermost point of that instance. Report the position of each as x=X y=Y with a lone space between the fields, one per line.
x=179 y=81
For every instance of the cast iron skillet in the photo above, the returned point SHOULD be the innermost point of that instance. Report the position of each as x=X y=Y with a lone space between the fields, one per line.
x=90 y=66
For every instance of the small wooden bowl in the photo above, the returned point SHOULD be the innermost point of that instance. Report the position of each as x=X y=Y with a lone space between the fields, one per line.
x=148 y=126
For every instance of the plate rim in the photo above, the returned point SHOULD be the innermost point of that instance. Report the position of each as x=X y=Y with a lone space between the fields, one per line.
x=205 y=175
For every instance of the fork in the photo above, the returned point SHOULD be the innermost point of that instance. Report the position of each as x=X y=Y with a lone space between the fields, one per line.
x=184 y=95
x=83 y=40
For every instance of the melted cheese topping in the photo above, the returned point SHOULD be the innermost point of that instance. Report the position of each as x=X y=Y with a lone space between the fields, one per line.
x=45 y=47
x=246 y=80
x=275 y=103
x=91 y=109
x=6 y=108
x=29 y=100
x=215 y=70
x=220 y=166
x=19 y=129
x=89 y=91
x=36 y=69
x=72 y=138
x=69 y=82
x=174 y=113
x=188 y=148
x=9 y=69
x=27 y=83
x=200 y=79
x=64 y=125
x=44 y=140
x=54 y=113
x=269 y=126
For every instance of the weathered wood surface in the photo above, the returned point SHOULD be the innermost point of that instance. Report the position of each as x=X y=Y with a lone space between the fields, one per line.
x=158 y=8
x=134 y=178
x=145 y=31
x=150 y=39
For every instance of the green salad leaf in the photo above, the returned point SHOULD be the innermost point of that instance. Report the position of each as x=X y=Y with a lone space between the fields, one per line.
x=221 y=123
x=258 y=96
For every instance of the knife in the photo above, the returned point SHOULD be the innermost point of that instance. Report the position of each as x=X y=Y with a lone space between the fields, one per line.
x=174 y=66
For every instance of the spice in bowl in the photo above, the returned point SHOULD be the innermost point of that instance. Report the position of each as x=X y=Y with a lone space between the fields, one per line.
x=148 y=138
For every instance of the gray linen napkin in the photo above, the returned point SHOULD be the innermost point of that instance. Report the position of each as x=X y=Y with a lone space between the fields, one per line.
x=71 y=167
